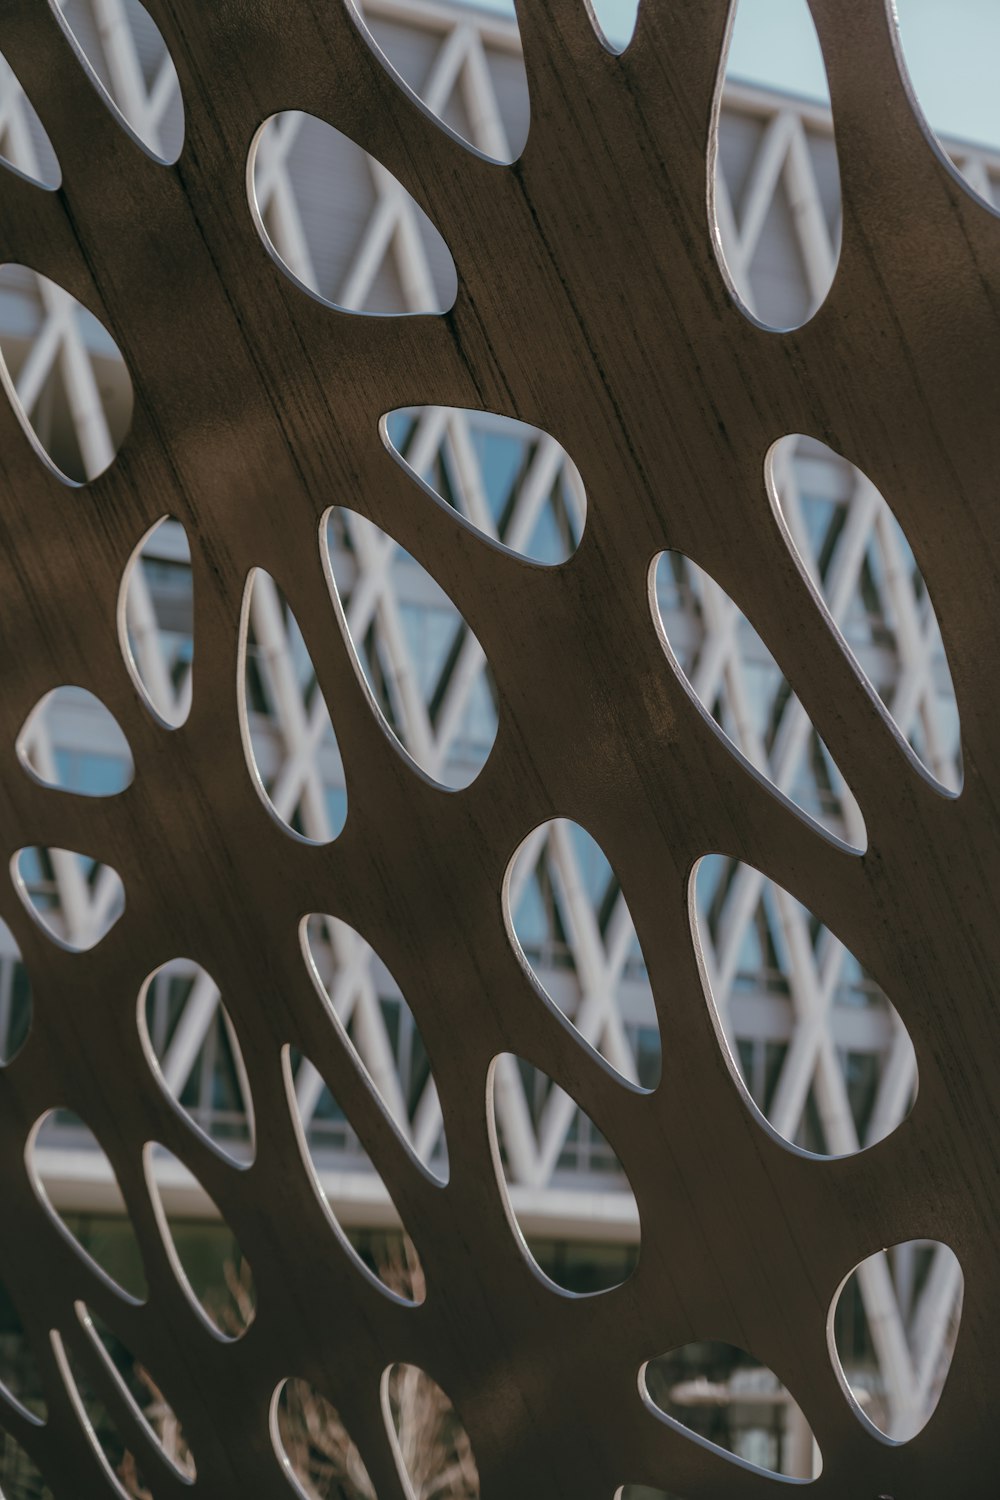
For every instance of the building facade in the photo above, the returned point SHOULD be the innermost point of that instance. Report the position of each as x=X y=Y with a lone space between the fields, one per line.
x=820 y=1051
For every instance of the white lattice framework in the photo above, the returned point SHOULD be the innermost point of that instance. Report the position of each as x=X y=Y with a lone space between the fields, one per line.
x=910 y=1342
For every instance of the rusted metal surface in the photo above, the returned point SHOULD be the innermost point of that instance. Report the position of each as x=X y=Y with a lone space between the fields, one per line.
x=591 y=303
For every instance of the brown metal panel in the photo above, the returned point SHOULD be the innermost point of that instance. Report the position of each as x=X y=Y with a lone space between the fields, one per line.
x=590 y=303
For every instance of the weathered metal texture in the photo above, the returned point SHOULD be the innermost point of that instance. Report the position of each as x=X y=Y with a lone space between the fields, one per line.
x=590 y=303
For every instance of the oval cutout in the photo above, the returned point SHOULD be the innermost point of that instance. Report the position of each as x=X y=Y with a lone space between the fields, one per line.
x=75 y=422
x=117 y=1462
x=24 y=141
x=71 y=741
x=470 y=78
x=818 y=1047
x=156 y=621
x=129 y=65
x=733 y=1404
x=20 y=1381
x=390 y=1255
x=372 y=1016
x=541 y=1137
x=585 y=1266
x=74 y=899
x=288 y=737
x=320 y=1120
x=893 y=1330
x=948 y=67
x=212 y=1270
x=340 y=226
x=15 y=997
x=514 y=483
x=615 y=22
x=314 y=1446
x=431 y=1446
x=142 y=1394
x=426 y=673
x=730 y=673
x=568 y=918
x=194 y=1050
x=847 y=541
x=59 y=1146
x=774 y=180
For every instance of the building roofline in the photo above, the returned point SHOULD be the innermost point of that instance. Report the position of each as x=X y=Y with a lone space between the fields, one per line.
x=741 y=93
x=78 y=1182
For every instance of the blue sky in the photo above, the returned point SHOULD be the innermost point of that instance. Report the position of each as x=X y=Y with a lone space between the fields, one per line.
x=952 y=50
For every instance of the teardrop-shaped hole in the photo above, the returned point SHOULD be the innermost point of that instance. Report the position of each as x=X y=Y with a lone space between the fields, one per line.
x=74 y=899
x=156 y=620
x=893 y=1330
x=20 y=1380
x=731 y=674
x=15 y=997
x=22 y=1478
x=372 y=1015
x=64 y=374
x=345 y=1177
x=288 y=737
x=568 y=917
x=71 y=741
x=194 y=1050
x=426 y=672
x=314 y=1446
x=820 y=1050
x=471 y=78
x=211 y=1269
x=615 y=21
x=730 y=1401
x=512 y=482
x=849 y=543
x=774 y=181
x=118 y=1462
x=539 y=1134
x=106 y=1234
x=949 y=63
x=340 y=225
x=24 y=141
x=143 y=1395
x=127 y=61
x=428 y=1437
x=587 y=1265
x=61 y=1152
x=782 y=55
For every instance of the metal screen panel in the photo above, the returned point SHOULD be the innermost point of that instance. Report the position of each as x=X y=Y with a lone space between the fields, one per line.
x=593 y=303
